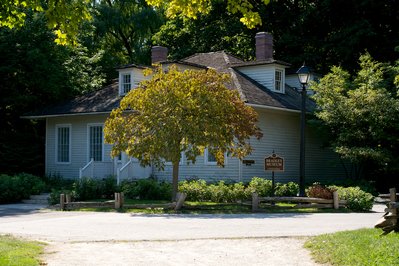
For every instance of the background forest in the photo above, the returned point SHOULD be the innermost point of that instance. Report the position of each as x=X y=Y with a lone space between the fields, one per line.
x=35 y=71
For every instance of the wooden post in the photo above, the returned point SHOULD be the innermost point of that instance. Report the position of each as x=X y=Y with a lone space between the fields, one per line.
x=117 y=200
x=68 y=198
x=62 y=201
x=181 y=197
x=122 y=199
x=336 y=200
x=255 y=202
x=392 y=198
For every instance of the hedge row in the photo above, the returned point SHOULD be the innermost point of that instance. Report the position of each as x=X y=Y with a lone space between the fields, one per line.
x=357 y=199
x=199 y=190
x=18 y=187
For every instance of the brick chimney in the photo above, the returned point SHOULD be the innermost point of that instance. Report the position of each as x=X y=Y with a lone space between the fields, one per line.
x=264 y=46
x=159 y=54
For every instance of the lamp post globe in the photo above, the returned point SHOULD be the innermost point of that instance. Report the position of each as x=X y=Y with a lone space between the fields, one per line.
x=303 y=77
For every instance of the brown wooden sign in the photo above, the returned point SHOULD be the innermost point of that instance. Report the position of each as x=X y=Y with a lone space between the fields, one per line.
x=274 y=163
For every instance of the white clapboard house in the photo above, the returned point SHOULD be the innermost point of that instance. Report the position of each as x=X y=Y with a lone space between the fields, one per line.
x=74 y=131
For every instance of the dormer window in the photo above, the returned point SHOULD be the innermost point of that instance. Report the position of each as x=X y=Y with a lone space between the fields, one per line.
x=278 y=81
x=125 y=84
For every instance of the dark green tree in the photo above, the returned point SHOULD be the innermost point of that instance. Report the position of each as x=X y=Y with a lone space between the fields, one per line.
x=125 y=27
x=361 y=113
x=36 y=72
x=218 y=30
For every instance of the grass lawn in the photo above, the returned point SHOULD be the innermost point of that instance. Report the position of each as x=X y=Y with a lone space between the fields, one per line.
x=14 y=251
x=194 y=207
x=359 y=247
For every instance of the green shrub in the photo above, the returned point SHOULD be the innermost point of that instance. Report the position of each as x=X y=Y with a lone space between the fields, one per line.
x=147 y=189
x=319 y=191
x=239 y=192
x=88 y=188
x=56 y=181
x=196 y=190
x=32 y=184
x=261 y=186
x=289 y=189
x=357 y=199
x=55 y=195
x=152 y=189
x=220 y=192
x=18 y=187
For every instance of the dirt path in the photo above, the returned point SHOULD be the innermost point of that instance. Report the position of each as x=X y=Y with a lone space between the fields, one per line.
x=255 y=251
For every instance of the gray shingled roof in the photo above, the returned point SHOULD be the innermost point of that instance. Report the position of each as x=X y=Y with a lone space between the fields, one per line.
x=252 y=92
x=101 y=101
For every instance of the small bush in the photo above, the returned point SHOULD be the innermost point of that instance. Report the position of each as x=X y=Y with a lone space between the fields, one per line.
x=86 y=188
x=55 y=195
x=147 y=189
x=263 y=187
x=357 y=199
x=18 y=187
x=152 y=189
x=289 y=189
x=219 y=192
x=196 y=190
x=319 y=191
x=239 y=192
x=32 y=184
x=56 y=181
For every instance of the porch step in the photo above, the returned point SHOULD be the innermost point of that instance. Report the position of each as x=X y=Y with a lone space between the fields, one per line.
x=38 y=199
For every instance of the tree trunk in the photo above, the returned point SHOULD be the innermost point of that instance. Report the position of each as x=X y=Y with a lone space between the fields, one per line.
x=175 y=180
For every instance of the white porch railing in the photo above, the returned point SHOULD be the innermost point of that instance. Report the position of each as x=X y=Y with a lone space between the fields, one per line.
x=121 y=171
x=88 y=168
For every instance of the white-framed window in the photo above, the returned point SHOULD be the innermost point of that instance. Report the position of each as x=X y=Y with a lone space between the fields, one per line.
x=279 y=80
x=95 y=142
x=125 y=82
x=210 y=158
x=63 y=143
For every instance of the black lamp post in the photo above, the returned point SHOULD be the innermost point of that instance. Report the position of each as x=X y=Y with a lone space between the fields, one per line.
x=303 y=76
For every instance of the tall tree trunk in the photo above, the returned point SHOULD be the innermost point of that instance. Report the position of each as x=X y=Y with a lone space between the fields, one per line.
x=175 y=180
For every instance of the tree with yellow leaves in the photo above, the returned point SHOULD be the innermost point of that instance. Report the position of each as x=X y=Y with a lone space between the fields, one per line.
x=191 y=9
x=178 y=112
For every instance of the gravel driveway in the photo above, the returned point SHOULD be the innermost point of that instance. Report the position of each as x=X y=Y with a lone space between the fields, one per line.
x=93 y=238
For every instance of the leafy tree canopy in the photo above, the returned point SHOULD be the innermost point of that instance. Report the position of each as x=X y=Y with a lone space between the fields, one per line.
x=36 y=72
x=362 y=112
x=126 y=27
x=177 y=112
x=215 y=31
x=191 y=9
x=64 y=17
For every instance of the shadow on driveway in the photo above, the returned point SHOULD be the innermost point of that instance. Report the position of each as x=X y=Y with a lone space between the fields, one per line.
x=20 y=209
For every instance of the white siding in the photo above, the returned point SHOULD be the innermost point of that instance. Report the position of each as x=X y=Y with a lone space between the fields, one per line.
x=136 y=77
x=79 y=147
x=264 y=74
x=281 y=134
x=292 y=81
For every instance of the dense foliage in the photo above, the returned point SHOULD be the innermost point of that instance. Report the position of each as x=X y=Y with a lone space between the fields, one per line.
x=18 y=187
x=64 y=17
x=191 y=9
x=199 y=190
x=362 y=114
x=35 y=73
x=357 y=199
